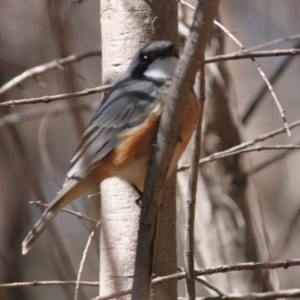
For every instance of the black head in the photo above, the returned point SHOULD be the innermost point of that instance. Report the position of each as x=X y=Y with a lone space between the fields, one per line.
x=152 y=52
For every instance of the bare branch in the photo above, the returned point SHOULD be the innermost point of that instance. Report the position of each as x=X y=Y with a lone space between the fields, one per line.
x=285 y=239
x=38 y=112
x=292 y=293
x=269 y=162
x=83 y=260
x=209 y=286
x=273 y=78
x=263 y=75
x=229 y=34
x=48 y=99
x=190 y=61
x=253 y=54
x=56 y=63
x=250 y=266
x=205 y=283
x=256 y=148
x=79 y=215
x=242 y=146
x=191 y=200
x=187 y=4
x=276 y=42
x=48 y=282
x=87 y=92
x=220 y=155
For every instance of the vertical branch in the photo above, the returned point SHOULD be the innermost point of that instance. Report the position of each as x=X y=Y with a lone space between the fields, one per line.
x=264 y=89
x=225 y=232
x=191 y=201
x=182 y=83
x=165 y=252
x=84 y=255
x=262 y=74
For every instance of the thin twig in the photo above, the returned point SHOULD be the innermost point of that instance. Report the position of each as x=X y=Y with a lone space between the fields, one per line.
x=30 y=175
x=83 y=260
x=205 y=283
x=187 y=4
x=191 y=198
x=256 y=148
x=292 y=293
x=79 y=215
x=284 y=241
x=38 y=112
x=269 y=162
x=56 y=63
x=261 y=93
x=261 y=138
x=208 y=285
x=254 y=54
x=48 y=282
x=276 y=42
x=221 y=155
x=250 y=266
x=48 y=99
x=86 y=92
x=229 y=34
x=263 y=75
x=272 y=43
x=21 y=116
x=241 y=146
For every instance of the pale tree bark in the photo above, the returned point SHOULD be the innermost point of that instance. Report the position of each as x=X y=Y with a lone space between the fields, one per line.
x=125 y=27
x=224 y=229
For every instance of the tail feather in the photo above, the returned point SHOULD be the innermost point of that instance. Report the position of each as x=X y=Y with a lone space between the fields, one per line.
x=40 y=226
x=70 y=191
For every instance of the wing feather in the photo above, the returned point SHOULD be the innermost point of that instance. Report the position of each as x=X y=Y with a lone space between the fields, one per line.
x=127 y=105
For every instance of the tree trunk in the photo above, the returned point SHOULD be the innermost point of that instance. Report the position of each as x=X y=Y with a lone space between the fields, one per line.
x=125 y=27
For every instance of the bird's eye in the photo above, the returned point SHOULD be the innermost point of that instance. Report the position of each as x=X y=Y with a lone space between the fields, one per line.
x=145 y=58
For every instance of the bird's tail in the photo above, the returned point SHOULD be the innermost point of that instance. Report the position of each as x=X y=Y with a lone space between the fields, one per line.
x=40 y=226
x=68 y=193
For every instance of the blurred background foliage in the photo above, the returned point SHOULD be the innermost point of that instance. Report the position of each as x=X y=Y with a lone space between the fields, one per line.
x=34 y=32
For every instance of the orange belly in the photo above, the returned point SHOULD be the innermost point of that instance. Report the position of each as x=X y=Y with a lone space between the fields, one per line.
x=130 y=160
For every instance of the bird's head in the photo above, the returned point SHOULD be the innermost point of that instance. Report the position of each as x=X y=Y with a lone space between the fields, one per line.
x=157 y=60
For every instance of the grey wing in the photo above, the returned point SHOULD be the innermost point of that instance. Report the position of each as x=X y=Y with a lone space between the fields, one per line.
x=127 y=105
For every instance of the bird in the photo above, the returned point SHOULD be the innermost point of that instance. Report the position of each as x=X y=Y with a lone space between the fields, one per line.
x=119 y=139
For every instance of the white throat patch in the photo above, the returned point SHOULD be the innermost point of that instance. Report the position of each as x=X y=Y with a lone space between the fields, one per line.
x=162 y=68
